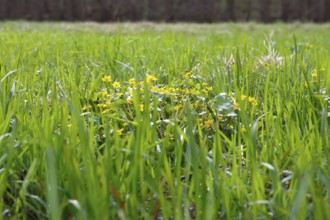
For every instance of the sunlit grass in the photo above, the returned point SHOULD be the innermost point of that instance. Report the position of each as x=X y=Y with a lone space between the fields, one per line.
x=161 y=121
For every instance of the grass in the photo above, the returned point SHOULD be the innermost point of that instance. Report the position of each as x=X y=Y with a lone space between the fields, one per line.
x=147 y=121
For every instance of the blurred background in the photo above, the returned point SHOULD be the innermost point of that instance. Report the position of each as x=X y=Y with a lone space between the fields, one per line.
x=167 y=10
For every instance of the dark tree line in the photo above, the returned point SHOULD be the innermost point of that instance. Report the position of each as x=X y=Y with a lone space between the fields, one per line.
x=167 y=10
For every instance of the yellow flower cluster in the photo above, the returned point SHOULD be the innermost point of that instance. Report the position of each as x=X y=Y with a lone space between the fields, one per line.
x=209 y=123
x=189 y=87
x=253 y=101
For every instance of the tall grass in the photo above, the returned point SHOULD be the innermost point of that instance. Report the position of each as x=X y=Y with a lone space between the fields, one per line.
x=255 y=144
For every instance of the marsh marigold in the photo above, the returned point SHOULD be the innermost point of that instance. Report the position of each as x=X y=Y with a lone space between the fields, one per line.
x=209 y=123
x=106 y=78
x=151 y=78
x=116 y=85
x=253 y=101
x=132 y=82
x=314 y=75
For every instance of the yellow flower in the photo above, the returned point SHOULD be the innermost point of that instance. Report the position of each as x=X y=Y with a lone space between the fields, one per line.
x=173 y=89
x=178 y=107
x=243 y=130
x=243 y=97
x=151 y=78
x=106 y=111
x=132 y=82
x=116 y=85
x=141 y=107
x=209 y=123
x=86 y=107
x=236 y=105
x=186 y=91
x=103 y=105
x=129 y=100
x=253 y=101
x=106 y=78
x=314 y=75
x=104 y=94
x=120 y=131
x=189 y=74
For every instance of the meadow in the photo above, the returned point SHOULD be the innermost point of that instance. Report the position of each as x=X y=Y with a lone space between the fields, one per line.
x=164 y=121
